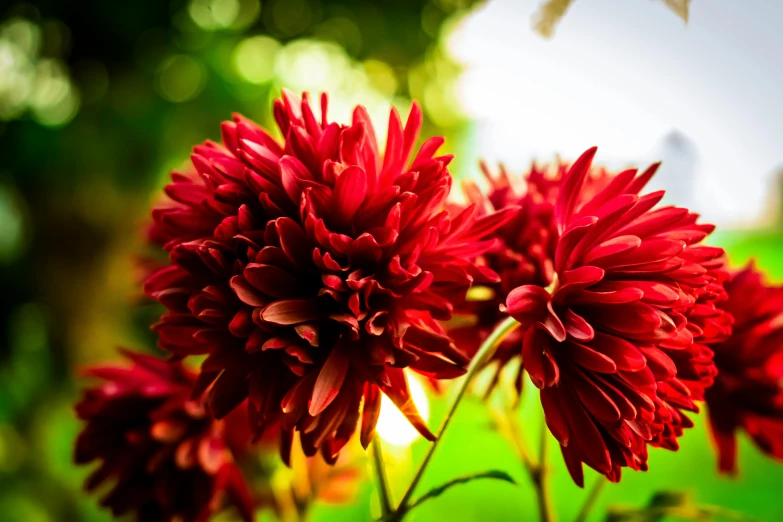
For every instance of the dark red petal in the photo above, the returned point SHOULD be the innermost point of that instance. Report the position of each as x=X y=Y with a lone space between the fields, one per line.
x=293 y=311
x=540 y=365
x=554 y=412
x=370 y=412
x=274 y=281
x=246 y=292
x=624 y=354
x=330 y=380
x=577 y=327
x=590 y=358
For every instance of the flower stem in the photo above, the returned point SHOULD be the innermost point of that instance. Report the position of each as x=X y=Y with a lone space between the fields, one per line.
x=485 y=352
x=384 y=491
x=540 y=478
x=592 y=497
x=518 y=439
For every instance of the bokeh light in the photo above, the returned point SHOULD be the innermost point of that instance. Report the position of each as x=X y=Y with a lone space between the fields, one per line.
x=29 y=82
x=313 y=65
x=54 y=100
x=381 y=77
x=213 y=15
x=181 y=78
x=254 y=58
x=288 y=17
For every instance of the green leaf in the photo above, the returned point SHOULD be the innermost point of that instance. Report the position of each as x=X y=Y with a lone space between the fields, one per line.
x=674 y=504
x=668 y=499
x=492 y=474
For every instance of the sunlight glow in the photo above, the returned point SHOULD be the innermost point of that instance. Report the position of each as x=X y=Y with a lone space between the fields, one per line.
x=392 y=425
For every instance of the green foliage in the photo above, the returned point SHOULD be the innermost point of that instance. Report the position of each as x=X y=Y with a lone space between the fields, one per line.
x=673 y=504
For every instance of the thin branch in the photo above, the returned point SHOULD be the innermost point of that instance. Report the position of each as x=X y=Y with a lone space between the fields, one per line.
x=518 y=440
x=485 y=352
x=591 y=498
x=541 y=479
x=384 y=491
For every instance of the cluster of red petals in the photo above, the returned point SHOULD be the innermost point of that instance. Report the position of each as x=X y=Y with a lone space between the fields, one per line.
x=523 y=253
x=312 y=272
x=748 y=390
x=633 y=298
x=164 y=457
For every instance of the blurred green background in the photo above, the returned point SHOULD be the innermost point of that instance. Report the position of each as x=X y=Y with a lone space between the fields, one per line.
x=100 y=100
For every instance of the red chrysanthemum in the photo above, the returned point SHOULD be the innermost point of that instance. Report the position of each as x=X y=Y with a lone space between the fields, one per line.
x=312 y=272
x=164 y=456
x=748 y=390
x=524 y=253
x=604 y=345
x=696 y=369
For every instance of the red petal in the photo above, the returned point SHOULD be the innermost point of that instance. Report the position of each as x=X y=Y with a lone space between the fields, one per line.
x=370 y=412
x=293 y=311
x=330 y=379
x=273 y=281
x=577 y=327
x=597 y=401
x=349 y=193
x=590 y=359
x=539 y=364
x=571 y=188
x=624 y=354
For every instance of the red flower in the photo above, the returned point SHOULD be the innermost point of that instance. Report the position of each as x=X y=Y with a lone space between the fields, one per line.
x=605 y=344
x=748 y=390
x=524 y=253
x=695 y=367
x=311 y=273
x=164 y=456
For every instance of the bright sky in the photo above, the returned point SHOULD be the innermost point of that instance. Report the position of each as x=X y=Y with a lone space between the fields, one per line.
x=624 y=74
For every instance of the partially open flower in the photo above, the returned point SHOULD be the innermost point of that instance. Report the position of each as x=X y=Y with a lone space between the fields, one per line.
x=312 y=272
x=164 y=457
x=605 y=342
x=748 y=390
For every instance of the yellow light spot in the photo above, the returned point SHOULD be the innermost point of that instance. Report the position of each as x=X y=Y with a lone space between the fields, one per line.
x=54 y=101
x=181 y=78
x=381 y=77
x=480 y=293
x=313 y=66
x=214 y=14
x=254 y=58
x=392 y=425
x=24 y=34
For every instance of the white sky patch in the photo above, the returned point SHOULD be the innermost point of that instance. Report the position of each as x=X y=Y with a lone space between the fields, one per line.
x=623 y=76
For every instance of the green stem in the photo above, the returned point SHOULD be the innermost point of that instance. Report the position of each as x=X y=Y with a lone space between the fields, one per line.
x=518 y=439
x=384 y=491
x=485 y=352
x=592 y=497
x=541 y=479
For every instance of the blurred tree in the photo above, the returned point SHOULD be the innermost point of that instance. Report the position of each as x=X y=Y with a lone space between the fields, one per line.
x=98 y=101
